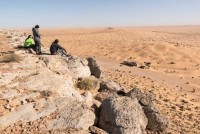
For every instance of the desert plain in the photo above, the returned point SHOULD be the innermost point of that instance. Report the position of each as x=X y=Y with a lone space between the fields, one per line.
x=172 y=54
x=174 y=72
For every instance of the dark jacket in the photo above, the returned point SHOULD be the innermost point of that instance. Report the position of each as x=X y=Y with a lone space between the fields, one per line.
x=54 y=48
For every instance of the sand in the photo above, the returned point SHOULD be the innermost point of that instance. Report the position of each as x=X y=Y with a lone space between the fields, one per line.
x=174 y=73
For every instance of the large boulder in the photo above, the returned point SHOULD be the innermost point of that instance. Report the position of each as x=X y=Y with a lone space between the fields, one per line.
x=95 y=69
x=73 y=114
x=145 y=99
x=79 y=67
x=156 y=122
x=135 y=93
x=109 y=86
x=122 y=115
x=104 y=95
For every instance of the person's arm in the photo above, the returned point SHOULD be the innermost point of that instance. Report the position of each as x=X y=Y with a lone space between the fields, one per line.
x=60 y=47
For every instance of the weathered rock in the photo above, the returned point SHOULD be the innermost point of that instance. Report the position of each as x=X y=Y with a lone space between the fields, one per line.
x=20 y=52
x=27 y=113
x=147 y=99
x=73 y=114
x=109 y=86
x=144 y=99
x=129 y=63
x=72 y=66
x=79 y=67
x=156 y=122
x=84 y=61
x=96 y=130
x=88 y=98
x=8 y=93
x=122 y=115
x=56 y=64
x=95 y=69
x=135 y=93
x=103 y=95
x=47 y=80
x=67 y=131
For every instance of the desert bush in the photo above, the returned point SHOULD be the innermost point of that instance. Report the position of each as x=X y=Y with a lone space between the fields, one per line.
x=10 y=58
x=45 y=93
x=172 y=62
x=87 y=84
x=17 y=39
x=9 y=36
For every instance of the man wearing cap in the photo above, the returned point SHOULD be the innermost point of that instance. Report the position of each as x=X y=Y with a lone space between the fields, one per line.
x=37 y=36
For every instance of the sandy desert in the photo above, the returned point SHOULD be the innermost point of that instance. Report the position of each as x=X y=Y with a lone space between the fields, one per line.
x=172 y=51
x=172 y=73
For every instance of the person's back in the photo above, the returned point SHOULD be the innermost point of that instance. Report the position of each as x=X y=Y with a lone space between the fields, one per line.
x=55 y=47
x=29 y=42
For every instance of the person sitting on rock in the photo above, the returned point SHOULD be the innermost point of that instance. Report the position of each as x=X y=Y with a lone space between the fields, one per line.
x=29 y=42
x=57 y=49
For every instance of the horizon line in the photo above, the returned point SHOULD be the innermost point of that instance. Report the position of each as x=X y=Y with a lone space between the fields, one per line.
x=85 y=27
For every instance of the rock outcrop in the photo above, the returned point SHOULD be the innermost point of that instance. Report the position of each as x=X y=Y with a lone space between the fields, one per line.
x=73 y=114
x=109 y=86
x=75 y=66
x=40 y=94
x=122 y=115
x=95 y=69
x=156 y=122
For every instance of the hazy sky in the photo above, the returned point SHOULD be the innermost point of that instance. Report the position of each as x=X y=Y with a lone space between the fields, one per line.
x=80 y=13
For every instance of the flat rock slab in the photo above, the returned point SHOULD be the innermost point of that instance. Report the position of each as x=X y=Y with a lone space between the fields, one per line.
x=46 y=80
x=73 y=114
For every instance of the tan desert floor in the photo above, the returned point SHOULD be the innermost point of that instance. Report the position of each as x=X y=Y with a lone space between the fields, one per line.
x=174 y=74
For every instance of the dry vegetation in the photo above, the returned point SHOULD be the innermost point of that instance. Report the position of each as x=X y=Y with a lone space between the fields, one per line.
x=10 y=58
x=87 y=84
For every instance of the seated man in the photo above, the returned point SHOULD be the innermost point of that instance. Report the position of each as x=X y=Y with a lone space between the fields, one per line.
x=56 y=48
x=29 y=42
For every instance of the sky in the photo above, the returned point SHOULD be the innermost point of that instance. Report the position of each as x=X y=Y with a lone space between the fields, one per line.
x=98 y=13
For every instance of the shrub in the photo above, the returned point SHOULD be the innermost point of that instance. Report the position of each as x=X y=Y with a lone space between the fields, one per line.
x=9 y=36
x=10 y=58
x=172 y=62
x=17 y=39
x=87 y=84
x=45 y=93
